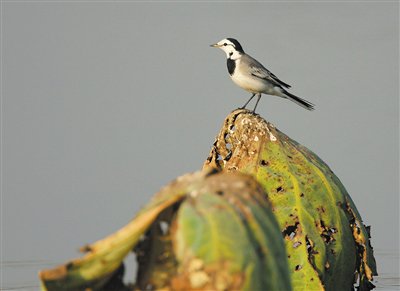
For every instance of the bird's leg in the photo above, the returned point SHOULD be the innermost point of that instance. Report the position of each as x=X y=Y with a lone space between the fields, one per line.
x=244 y=106
x=258 y=99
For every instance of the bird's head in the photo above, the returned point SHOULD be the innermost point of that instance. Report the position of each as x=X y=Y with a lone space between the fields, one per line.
x=231 y=47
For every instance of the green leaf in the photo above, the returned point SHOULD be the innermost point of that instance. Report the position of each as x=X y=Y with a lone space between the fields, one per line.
x=206 y=230
x=325 y=239
x=230 y=231
x=104 y=257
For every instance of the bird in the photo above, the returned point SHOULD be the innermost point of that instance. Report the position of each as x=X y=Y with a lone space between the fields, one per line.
x=252 y=76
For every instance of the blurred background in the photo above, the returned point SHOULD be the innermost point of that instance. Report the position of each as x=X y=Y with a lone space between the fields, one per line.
x=105 y=102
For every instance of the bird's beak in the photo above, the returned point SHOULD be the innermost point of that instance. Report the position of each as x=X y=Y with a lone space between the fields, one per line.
x=214 y=45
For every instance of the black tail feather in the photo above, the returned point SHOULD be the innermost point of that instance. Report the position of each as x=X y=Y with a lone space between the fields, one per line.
x=300 y=101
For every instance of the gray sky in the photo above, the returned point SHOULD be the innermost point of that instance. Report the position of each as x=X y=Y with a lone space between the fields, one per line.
x=104 y=103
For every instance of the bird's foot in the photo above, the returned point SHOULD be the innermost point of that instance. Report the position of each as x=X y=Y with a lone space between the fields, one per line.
x=254 y=112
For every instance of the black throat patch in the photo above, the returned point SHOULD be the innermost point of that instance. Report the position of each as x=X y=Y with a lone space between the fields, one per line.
x=231 y=66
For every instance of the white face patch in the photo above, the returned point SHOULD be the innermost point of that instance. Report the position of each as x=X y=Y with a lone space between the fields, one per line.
x=229 y=48
x=234 y=55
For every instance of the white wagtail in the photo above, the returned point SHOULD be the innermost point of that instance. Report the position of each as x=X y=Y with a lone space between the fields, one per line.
x=253 y=77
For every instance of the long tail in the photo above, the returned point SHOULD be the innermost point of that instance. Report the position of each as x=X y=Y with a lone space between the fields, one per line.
x=302 y=102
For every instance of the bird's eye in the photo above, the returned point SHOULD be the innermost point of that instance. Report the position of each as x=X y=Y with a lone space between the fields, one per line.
x=225 y=44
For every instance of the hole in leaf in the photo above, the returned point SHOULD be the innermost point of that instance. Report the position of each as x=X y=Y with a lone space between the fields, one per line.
x=327 y=232
x=310 y=248
x=228 y=156
x=290 y=231
x=164 y=227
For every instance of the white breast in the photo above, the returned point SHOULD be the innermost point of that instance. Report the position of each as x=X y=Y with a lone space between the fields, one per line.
x=246 y=81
